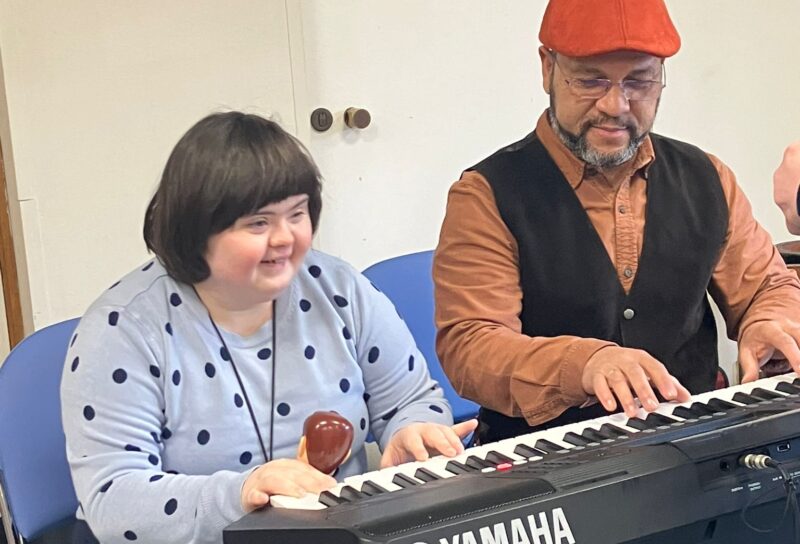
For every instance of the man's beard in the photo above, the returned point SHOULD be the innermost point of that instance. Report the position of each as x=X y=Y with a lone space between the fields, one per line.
x=580 y=147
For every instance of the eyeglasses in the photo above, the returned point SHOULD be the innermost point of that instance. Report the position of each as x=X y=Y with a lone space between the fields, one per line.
x=634 y=90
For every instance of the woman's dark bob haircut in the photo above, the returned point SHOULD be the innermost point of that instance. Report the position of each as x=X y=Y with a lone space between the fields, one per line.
x=227 y=166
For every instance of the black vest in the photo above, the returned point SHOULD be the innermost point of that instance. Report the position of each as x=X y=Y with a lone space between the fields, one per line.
x=570 y=287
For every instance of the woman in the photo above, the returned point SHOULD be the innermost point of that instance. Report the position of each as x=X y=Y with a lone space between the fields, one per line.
x=187 y=383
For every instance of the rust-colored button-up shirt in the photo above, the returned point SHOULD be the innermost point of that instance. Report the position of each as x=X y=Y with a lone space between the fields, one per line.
x=479 y=299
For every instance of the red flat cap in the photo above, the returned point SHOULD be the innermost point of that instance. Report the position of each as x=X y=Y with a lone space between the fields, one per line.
x=582 y=28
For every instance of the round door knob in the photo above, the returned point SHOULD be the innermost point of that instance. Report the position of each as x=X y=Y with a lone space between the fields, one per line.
x=357 y=118
x=321 y=119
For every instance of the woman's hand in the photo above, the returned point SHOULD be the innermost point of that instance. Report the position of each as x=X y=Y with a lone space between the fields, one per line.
x=282 y=477
x=418 y=441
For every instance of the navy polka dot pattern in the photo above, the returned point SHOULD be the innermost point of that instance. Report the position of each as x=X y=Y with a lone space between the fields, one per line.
x=264 y=354
x=170 y=507
x=373 y=354
x=157 y=366
x=120 y=375
x=74 y=337
x=148 y=266
x=114 y=284
x=113 y=318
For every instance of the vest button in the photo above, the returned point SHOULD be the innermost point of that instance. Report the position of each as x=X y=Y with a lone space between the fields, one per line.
x=628 y=313
x=627 y=272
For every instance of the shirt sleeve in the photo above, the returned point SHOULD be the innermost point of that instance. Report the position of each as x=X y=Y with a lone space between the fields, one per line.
x=398 y=388
x=750 y=282
x=478 y=302
x=114 y=442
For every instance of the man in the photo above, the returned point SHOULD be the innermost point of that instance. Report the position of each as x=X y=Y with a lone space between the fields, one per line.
x=786 y=185
x=573 y=267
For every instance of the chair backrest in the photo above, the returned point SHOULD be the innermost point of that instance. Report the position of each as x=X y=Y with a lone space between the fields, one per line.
x=33 y=463
x=407 y=281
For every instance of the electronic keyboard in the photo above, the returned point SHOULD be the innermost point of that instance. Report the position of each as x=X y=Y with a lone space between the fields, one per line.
x=670 y=476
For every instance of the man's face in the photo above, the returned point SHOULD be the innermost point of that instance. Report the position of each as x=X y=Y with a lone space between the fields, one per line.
x=604 y=131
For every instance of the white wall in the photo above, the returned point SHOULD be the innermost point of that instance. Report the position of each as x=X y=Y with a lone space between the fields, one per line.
x=98 y=92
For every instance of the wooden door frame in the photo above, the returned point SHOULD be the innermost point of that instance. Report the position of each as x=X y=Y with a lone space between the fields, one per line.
x=8 y=266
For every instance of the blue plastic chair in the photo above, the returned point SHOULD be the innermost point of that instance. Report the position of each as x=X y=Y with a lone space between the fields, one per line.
x=37 y=491
x=407 y=281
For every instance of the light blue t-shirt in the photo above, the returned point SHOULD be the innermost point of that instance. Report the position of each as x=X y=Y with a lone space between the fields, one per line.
x=159 y=438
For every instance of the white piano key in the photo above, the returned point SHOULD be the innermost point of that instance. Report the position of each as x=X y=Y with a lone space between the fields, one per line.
x=309 y=501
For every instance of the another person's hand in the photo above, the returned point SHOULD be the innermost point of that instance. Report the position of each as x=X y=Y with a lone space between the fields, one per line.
x=767 y=340
x=785 y=184
x=616 y=374
x=282 y=477
x=418 y=441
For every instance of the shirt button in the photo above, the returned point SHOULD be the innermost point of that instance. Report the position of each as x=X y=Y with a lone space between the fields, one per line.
x=627 y=272
x=628 y=313
x=622 y=209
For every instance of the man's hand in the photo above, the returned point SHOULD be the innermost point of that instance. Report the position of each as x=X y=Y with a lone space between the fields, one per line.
x=418 y=441
x=765 y=340
x=621 y=374
x=785 y=183
x=282 y=477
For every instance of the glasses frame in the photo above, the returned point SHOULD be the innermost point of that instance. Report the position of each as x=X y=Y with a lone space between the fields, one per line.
x=605 y=85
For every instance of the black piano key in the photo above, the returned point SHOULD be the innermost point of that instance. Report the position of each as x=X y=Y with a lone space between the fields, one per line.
x=404 y=481
x=329 y=499
x=473 y=461
x=796 y=381
x=786 y=387
x=612 y=431
x=657 y=419
x=352 y=494
x=744 y=398
x=765 y=394
x=458 y=468
x=545 y=445
x=576 y=439
x=525 y=450
x=496 y=457
x=720 y=405
x=702 y=409
x=593 y=435
x=426 y=475
x=685 y=412
x=640 y=424
x=372 y=488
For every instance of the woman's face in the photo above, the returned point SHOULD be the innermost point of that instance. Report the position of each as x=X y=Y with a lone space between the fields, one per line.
x=257 y=257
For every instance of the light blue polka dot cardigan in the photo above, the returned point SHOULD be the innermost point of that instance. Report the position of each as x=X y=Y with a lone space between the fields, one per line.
x=159 y=438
